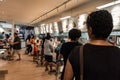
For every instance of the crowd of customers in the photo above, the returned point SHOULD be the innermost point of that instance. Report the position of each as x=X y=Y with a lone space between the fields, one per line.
x=12 y=46
x=98 y=59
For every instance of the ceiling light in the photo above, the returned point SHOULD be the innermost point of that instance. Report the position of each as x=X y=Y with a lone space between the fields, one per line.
x=109 y=4
x=1 y=0
x=65 y=17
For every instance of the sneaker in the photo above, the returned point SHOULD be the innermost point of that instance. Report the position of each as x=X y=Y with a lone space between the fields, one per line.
x=46 y=69
x=52 y=70
x=18 y=59
x=11 y=59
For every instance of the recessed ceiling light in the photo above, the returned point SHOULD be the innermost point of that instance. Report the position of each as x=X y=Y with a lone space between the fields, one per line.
x=65 y=17
x=109 y=4
x=1 y=0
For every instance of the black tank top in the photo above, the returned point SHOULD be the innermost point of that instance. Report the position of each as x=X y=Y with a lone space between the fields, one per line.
x=100 y=62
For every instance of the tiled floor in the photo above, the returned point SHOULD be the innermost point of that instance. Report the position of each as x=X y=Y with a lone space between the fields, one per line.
x=25 y=70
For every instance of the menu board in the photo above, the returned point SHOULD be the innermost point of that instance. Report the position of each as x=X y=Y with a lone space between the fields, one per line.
x=40 y=29
x=65 y=25
x=46 y=28
x=70 y=25
x=82 y=22
x=43 y=29
x=115 y=11
x=60 y=28
x=55 y=27
x=50 y=28
x=36 y=30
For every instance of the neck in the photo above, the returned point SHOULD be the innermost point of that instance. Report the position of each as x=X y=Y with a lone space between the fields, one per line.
x=74 y=41
x=100 y=42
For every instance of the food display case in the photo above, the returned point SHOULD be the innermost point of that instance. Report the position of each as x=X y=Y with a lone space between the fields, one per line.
x=118 y=41
x=115 y=37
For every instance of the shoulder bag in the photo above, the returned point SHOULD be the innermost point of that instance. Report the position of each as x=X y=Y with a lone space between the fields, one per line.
x=81 y=62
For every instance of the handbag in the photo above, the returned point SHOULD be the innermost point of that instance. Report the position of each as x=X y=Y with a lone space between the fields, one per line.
x=81 y=62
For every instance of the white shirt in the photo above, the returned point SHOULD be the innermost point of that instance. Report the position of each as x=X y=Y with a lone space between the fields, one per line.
x=48 y=47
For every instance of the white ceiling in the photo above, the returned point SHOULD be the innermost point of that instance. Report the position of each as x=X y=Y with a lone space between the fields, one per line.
x=25 y=11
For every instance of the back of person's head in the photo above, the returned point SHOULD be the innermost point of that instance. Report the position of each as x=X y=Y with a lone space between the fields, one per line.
x=48 y=36
x=62 y=41
x=38 y=41
x=28 y=37
x=3 y=32
x=74 y=34
x=7 y=36
x=1 y=40
x=16 y=34
x=101 y=24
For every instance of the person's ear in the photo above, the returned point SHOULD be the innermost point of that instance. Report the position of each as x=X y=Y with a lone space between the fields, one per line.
x=90 y=31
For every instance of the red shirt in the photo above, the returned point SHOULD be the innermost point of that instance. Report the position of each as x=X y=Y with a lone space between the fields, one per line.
x=35 y=49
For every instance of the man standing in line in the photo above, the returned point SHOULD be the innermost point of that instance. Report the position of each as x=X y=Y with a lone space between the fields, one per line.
x=74 y=36
x=16 y=46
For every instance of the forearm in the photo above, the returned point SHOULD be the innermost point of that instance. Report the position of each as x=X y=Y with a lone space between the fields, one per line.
x=60 y=56
x=68 y=75
x=15 y=43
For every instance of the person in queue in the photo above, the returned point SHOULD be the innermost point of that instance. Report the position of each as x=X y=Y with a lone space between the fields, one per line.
x=7 y=43
x=16 y=46
x=101 y=60
x=29 y=45
x=2 y=45
x=48 y=52
x=74 y=36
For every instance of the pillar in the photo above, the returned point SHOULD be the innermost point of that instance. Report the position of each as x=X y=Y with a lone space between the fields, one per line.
x=13 y=29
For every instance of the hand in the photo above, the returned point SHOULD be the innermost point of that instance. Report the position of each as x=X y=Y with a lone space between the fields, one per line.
x=12 y=43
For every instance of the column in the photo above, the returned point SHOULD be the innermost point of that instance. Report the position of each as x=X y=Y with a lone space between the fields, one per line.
x=13 y=28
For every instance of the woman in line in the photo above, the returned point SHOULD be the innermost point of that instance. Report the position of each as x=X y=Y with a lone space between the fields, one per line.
x=101 y=60
x=48 y=52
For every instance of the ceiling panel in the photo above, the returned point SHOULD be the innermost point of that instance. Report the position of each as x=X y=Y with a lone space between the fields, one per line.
x=24 y=11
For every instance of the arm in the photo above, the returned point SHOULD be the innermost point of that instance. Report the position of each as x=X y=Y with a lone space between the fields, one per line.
x=17 y=41
x=68 y=75
x=51 y=46
x=61 y=52
x=60 y=56
x=28 y=42
x=13 y=43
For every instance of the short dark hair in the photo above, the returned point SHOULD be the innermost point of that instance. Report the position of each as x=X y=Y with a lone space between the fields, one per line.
x=74 y=34
x=7 y=35
x=101 y=23
x=48 y=36
x=15 y=33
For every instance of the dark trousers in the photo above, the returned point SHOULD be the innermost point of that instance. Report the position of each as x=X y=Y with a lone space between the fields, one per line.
x=29 y=48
